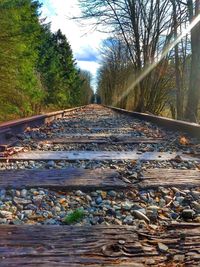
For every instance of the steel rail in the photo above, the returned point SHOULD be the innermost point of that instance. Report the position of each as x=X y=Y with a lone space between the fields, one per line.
x=192 y=129
x=11 y=128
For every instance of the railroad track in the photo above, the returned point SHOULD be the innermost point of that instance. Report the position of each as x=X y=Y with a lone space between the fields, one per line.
x=97 y=186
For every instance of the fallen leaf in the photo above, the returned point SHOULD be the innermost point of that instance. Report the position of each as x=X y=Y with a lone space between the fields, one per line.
x=104 y=194
x=198 y=166
x=183 y=141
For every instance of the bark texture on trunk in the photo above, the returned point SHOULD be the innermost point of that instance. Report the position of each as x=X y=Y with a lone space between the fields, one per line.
x=194 y=87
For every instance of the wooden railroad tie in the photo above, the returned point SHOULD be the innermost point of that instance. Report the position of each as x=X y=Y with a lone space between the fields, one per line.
x=62 y=179
x=74 y=246
x=102 y=155
x=153 y=178
x=98 y=179
x=116 y=139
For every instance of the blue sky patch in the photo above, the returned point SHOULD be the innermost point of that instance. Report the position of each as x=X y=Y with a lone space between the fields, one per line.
x=46 y=4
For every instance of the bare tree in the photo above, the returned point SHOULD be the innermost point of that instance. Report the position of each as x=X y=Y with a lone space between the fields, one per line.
x=115 y=71
x=86 y=92
x=147 y=27
x=180 y=54
x=191 y=112
x=142 y=26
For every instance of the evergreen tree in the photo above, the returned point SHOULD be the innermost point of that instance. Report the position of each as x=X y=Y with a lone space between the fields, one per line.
x=70 y=75
x=37 y=68
x=20 y=86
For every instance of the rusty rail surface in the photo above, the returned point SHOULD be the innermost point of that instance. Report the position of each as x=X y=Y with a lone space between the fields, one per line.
x=193 y=129
x=10 y=128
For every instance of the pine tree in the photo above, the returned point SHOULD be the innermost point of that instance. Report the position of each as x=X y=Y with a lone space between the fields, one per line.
x=20 y=85
x=37 y=68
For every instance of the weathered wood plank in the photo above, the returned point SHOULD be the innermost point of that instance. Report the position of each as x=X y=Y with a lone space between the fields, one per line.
x=93 y=135
x=120 y=129
x=75 y=140
x=153 y=178
x=65 y=179
x=81 y=115
x=118 y=139
x=100 y=155
x=101 y=129
x=96 y=246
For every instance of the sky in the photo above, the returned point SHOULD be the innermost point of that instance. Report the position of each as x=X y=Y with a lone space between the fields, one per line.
x=84 y=41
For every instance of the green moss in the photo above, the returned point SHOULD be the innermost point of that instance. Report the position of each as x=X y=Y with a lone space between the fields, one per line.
x=75 y=216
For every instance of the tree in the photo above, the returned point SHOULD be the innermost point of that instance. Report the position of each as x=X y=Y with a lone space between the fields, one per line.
x=37 y=68
x=20 y=85
x=86 y=88
x=191 y=112
x=113 y=76
x=143 y=26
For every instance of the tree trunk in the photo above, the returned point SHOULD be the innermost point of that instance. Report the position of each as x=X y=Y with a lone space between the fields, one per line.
x=179 y=84
x=141 y=101
x=194 y=87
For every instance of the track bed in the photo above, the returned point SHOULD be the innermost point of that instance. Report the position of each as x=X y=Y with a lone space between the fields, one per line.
x=135 y=184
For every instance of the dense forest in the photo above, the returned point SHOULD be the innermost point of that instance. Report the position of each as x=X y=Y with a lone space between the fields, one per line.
x=151 y=62
x=37 y=69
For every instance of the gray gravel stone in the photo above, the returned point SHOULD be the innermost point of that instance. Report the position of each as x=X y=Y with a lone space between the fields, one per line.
x=50 y=222
x=24 y=193
x=21 y=201
x=195 y=194
x=180 y=199
x=6 y=214
x=139 y=215
x=3 y=221
x=128 y=219
x=126 y=206
x=112 y=193
x=50 y=164
x=162 y=247
x=79 y=193
x=88 y=198
x=99 y=200
x=28 y=213
x=196 y=206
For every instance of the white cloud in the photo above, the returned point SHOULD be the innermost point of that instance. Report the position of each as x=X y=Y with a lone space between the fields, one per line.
x=89 y=66
x=84 y=42
x=92 y=67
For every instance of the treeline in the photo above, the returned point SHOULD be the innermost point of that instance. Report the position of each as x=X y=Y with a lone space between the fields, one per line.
x=146 y=66
x=37 y=68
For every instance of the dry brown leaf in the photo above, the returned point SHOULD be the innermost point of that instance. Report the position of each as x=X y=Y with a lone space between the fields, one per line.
x=198 y=166
x=183 y=141
x=104 y=194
